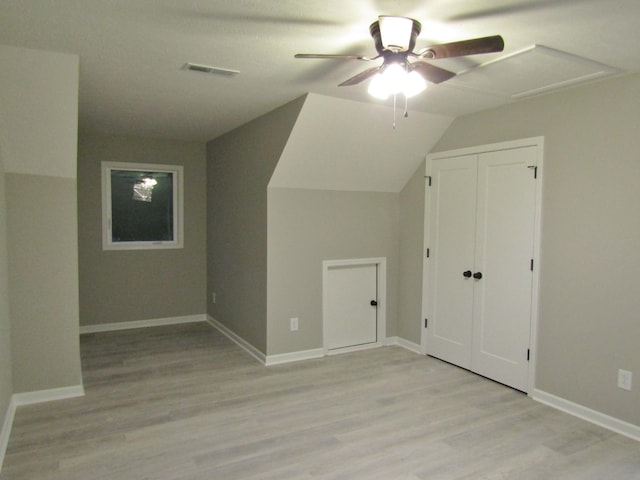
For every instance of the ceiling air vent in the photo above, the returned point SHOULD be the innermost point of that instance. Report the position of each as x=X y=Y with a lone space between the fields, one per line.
x=194 y=67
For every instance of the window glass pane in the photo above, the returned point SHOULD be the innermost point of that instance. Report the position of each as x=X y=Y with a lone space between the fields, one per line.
x=141 y=206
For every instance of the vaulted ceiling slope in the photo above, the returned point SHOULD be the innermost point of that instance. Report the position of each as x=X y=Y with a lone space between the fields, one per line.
x=341 y=144
x=132 y=53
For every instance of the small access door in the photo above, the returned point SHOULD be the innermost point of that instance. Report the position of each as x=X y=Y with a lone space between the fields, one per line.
x=351 y=306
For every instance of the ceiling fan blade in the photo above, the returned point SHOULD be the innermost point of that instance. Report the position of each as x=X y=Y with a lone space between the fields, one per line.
x=361 y=77
x=474 y=46
x=431 y=73
x=334 y=57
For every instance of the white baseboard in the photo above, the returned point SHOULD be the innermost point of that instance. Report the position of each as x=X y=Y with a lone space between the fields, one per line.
x=29 y=398
x=401 y=342
x=619 y=426
x=414 y=347
x=355 y=348
x=267 y=360
x=278 y=359
x=238 y=340
x=40 y=396
x=6 y=429
x=294 y=356
x=154 y=322
x=320 y=352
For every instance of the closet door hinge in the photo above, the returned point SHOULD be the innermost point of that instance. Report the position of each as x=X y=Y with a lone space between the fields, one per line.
x=528 y=354
x=428 y=177
x=428 y=253
x=535 y=170
x=426 y=322
x=531 y=265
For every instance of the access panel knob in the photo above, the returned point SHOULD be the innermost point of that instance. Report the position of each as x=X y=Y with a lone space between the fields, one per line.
x=466 y=274
x=477 y=275
x=373 y=303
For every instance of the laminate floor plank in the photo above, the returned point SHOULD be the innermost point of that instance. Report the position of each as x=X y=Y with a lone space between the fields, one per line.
x=184 y=403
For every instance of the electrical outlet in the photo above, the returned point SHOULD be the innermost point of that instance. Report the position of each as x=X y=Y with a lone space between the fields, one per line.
x=625 y=379
x=213 y=297
x=293 y=324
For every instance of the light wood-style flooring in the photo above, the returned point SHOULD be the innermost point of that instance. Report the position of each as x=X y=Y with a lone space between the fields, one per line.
x=183 y=402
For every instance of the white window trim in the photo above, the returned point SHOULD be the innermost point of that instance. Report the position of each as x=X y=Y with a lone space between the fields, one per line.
x=178 y=202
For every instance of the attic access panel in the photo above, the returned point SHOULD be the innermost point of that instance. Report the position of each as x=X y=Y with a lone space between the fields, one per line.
x=531 y=71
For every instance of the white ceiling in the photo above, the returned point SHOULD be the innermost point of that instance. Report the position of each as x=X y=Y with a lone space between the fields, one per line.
x=131 y=53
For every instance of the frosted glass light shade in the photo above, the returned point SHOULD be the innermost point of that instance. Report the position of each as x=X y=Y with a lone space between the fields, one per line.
x=395 y=79
x=413 y=84
x=378 y=87
x=395 y=32
x=395 y=76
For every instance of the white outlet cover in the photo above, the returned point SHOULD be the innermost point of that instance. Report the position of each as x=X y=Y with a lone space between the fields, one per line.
x=625 y=379
x=293 y=324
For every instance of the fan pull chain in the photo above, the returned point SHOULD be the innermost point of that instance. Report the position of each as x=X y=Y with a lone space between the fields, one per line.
x=405 y=114
x=394 y=111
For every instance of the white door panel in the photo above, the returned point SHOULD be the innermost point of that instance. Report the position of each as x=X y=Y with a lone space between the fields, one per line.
x=350 y=319
x=452 y=210
x=504 y=249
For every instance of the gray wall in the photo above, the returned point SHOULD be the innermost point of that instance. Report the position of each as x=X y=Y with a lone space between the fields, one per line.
x=43 y=288
x=411 y=233
x=120 y=286
x=240 y=165
x=38 y=142
x=307 y=227
x=589 y=303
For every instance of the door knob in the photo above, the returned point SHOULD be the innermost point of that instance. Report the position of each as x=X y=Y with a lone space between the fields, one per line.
x=477 y=275
x=466 y=274
x=373 y=303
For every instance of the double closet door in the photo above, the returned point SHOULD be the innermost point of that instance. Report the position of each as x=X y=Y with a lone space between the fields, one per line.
x=481 y=210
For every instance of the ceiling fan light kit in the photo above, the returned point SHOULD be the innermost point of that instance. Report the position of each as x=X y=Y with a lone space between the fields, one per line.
x=395 y=79
x=395 y=39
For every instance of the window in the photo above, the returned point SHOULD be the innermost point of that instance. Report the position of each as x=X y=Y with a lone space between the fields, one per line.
x=141 y=206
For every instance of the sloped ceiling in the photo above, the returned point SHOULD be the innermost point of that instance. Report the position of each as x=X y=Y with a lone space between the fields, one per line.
x=132 y=80
x=341 y=144
x=132 y=53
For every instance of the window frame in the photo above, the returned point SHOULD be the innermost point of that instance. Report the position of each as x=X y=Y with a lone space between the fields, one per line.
x=178 y=206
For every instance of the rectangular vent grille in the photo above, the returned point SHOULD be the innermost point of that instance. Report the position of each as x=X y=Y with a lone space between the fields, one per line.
x=194 y=67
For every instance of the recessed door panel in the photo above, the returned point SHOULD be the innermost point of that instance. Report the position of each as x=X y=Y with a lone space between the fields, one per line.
x=452 y=225
x=350 y=318
x=504 y=249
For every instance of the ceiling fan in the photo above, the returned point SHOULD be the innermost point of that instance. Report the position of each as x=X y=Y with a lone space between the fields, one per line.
x=394 y=39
